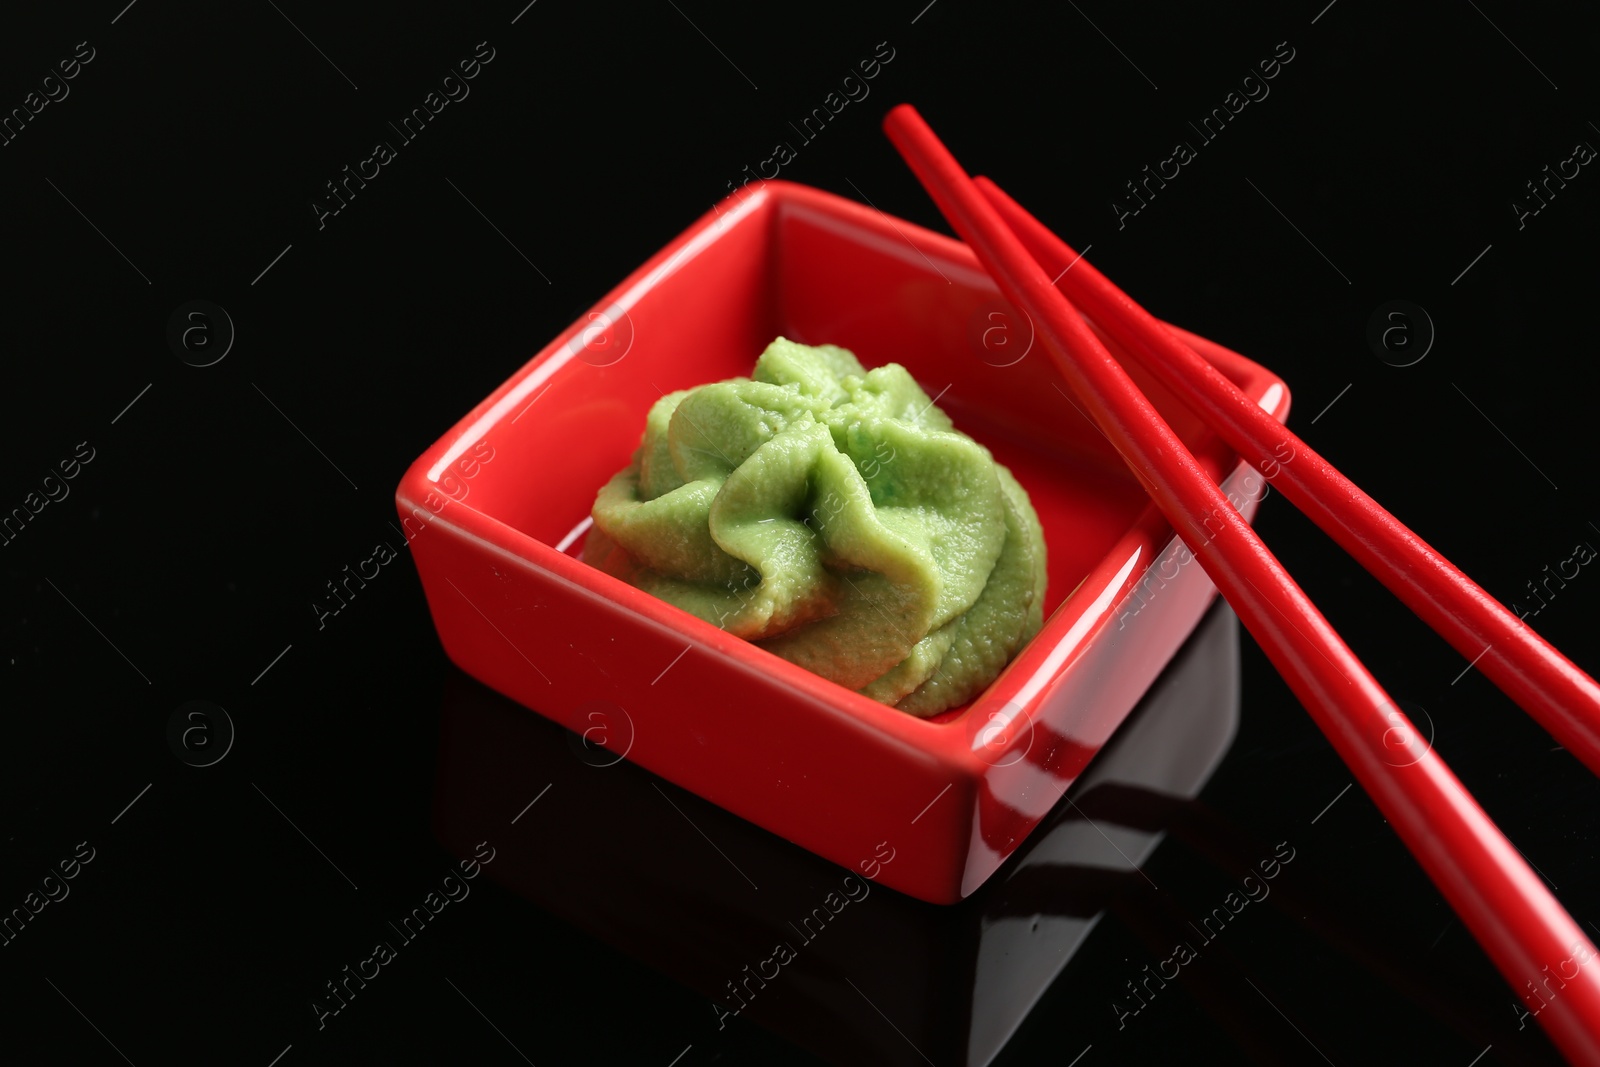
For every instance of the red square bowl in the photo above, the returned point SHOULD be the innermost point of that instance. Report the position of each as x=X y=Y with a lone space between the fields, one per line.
x=496 y=511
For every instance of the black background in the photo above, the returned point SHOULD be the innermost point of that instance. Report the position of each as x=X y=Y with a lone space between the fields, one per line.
x=189 y=550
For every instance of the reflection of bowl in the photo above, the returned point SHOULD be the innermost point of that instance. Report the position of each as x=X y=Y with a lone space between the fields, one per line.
x=496 y=509
x=607 y=852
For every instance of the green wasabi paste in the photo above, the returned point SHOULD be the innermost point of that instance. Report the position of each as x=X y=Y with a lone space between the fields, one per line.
x=835 y=517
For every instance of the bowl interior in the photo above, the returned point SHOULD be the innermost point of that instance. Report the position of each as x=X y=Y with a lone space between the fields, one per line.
x=816 y=269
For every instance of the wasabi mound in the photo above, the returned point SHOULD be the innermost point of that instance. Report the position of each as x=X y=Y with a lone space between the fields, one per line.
x=835 y=517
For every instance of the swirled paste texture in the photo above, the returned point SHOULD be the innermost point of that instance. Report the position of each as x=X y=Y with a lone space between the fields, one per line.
x=834 y=516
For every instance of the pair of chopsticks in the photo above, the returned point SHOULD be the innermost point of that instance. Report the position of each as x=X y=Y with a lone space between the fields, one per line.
x=1538 y=948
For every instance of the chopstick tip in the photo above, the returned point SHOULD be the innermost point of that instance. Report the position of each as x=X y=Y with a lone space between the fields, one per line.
x=901 y=114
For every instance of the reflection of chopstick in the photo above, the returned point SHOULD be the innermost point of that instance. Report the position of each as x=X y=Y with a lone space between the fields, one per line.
x=1079 y=891
x=1303 y=901
x=1565 y=700
x=1520 y=925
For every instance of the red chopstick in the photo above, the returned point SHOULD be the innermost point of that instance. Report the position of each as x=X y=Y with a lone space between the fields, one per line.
x=1521 y=926
x=1552 y=689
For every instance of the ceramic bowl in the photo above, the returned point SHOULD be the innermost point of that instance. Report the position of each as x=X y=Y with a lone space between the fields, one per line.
x=496 y=511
